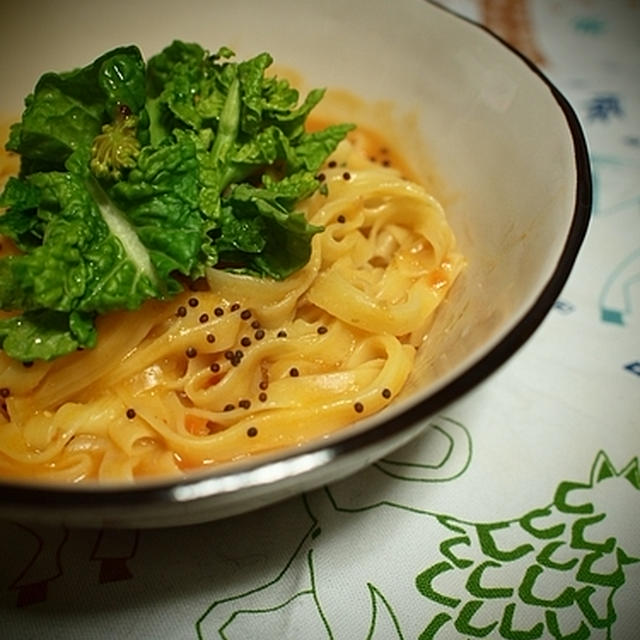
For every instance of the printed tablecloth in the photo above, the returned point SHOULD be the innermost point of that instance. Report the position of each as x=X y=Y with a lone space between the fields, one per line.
x=516 y=515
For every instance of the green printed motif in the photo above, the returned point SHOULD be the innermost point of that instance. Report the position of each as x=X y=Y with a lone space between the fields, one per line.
x=553 y=573
x=565 y=537
x=616 y=299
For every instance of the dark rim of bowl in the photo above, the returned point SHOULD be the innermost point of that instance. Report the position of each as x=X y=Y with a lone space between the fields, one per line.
x=51 y=500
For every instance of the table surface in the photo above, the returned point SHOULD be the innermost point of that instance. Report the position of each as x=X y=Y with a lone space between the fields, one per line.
x=516 y=515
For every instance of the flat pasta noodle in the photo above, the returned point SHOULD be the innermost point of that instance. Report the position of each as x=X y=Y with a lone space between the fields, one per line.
x=240 y=366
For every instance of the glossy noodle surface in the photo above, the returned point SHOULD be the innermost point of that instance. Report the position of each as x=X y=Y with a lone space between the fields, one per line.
x=236 y=365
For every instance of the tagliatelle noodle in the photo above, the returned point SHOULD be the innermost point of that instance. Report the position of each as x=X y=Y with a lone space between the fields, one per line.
x=239 y=365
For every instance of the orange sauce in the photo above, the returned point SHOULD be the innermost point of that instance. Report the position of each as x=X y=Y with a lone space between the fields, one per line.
x=374 y=145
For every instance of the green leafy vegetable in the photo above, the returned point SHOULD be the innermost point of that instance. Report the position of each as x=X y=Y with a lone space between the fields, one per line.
x=117 y=147
x=136 y=175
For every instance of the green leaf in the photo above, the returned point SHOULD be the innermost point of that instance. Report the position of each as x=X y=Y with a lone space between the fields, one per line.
x=66 y=111
x=228 y=125
x=121 y=75
x=291 y=121
x=251 y=77
x=285 y=236
x=314 y=148
x=161 y=199
x=293 y=188
x=110 y=250
x=41 y=335
x=133 y=174
x=163 y=66
x=19 y=222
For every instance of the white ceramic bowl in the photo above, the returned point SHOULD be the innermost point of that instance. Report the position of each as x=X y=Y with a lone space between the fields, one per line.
x=496 y=141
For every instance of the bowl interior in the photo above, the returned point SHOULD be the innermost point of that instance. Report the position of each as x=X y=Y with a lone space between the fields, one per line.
x=484 y=131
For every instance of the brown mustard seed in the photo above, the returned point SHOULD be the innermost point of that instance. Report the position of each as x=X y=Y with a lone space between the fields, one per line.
x=321 y=177
x=131 y=414
x=322 y=329
x=27 y=364
x=191 y=352
x=235 y=306
x=282 y=333
x=193 y=302
x=263 y=384
x=214 y=367
x=346 y=175
x=228 y=407
x=246 y=314
x=245 y=342
x=255 y=324
x=218 y=311
x=204 y=318
x=358 y=406
x=181 y=311
x=293 y=372
x=386 y=393
x=341 y=219
x=259 y=334
x=332 y=164
x=229 y=354
x=252 y=432
x=244 y=404
x=211 y=338
x=262 y=397
x=5 y=392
